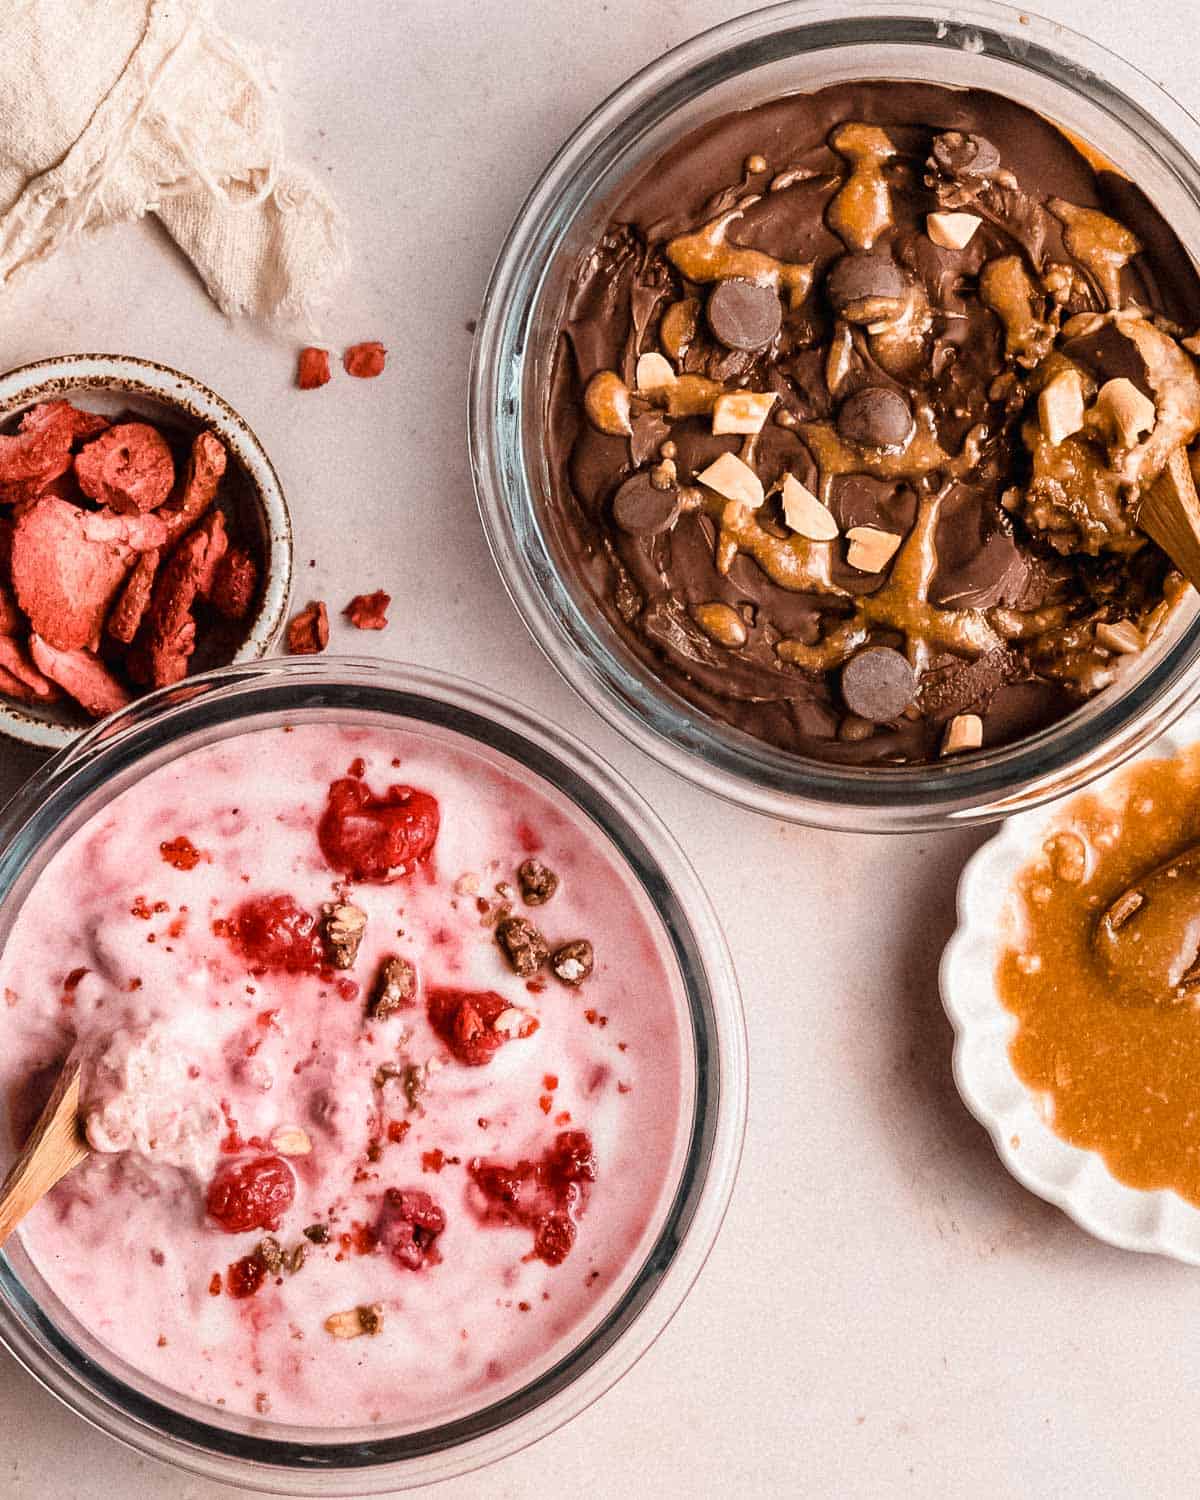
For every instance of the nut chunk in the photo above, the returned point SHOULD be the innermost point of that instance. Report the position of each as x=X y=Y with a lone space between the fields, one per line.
x=358 y=1320
x=523 y=945
x=395 y=989
x=343 y=926
x=573 y=962
x=538 y=882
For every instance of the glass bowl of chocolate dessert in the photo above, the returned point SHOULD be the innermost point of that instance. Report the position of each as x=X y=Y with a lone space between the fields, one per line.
x=821 y=413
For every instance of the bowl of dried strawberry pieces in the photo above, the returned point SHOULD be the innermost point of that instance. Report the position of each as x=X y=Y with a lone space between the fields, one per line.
x=144 y=536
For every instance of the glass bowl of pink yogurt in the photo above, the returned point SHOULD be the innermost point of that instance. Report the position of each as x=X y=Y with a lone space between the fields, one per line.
x=414 y=1075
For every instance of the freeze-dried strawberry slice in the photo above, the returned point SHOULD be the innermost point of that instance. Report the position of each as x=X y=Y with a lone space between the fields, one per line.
x=377 y=838
x=312 y=369
x=65 y=582
x=167 y=636
x=130 y=609
x=369 y=611
x=82 y=675
x=34 y=685
x=11 y=618
x=38 y=452
x=365 y=361
x=141 y=532
x=206 y=467
x=128 y=467
x=233 y=588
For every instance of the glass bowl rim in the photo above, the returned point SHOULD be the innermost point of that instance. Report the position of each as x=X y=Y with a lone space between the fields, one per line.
x=643 y=709
x=701 y=1195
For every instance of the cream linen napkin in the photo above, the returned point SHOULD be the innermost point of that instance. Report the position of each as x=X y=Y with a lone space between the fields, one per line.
x=110 y=109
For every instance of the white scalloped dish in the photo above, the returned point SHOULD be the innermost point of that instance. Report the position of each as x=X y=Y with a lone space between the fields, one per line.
x=1075 y=1179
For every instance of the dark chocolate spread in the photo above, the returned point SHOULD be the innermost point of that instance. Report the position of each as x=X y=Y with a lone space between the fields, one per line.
x=884 y=368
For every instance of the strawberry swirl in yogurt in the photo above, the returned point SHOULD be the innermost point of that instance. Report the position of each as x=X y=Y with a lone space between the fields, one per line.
x=387 y=1074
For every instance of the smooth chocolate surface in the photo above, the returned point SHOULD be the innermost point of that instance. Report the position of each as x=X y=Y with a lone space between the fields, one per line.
x=912 y=300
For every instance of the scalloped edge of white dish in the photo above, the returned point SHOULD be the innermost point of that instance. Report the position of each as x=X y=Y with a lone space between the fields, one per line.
x=1076 y=1180
x=184 y=395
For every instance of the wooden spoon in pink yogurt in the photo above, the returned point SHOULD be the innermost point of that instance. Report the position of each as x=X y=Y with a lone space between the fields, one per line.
x=55 y=1147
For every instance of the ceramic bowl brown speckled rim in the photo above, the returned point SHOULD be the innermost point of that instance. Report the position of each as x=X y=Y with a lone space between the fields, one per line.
x=189 y=400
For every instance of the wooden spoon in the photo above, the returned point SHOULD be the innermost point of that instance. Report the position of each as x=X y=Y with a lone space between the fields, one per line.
x=56 y=1146
x=1170 y=514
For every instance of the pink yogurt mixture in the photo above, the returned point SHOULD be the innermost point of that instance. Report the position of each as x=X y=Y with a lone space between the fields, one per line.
x=484 y=1215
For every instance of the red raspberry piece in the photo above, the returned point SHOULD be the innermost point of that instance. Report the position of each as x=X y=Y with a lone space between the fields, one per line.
x=408 y=1228
x=251 y=1194
x=465 y=1021
x=377 y=838
x=246 y=1276
x=274 y=932
x=545 y=1196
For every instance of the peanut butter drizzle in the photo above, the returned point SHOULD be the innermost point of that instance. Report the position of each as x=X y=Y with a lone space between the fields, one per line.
x=922 y=455
x=1108 y=1022
x=897 y=344
x=793 y=562
x=706 y=255
x=861 y=209
x=1171 y=376
x=902 y=604
x=1007 y=288
x=1099 y=243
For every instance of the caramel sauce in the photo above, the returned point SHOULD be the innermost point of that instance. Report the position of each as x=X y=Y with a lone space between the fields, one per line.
x=706 y=255
x=861 y=210
x=1100 y=975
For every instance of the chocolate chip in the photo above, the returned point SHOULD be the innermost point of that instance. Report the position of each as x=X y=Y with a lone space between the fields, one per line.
x=744 y=314
x=875 y=417
x=963 y=155
x=523 y=945
x=861 y=278
x=538 y=882
x=878 y=684
x=573 y=962
x=642 y=509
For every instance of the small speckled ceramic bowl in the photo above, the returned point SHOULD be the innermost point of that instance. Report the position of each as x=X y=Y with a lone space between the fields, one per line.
x=117 y=383
x=1078 y=1181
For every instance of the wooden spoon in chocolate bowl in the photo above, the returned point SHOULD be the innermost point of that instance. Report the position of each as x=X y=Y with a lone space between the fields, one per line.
x=1149 y=938
x=1170 y=515
x=55 y=1147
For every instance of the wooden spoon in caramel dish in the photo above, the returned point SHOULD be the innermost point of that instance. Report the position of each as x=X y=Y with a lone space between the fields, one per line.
x=55 y=1147
x=1149 y=938
x=1170 y=515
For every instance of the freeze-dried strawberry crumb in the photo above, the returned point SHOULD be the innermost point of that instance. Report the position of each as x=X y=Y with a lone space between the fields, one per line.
x=368 y=611
x=312 y=368
x=252 y=1194
x=365 y=361
x=308 y=632
x=214 y=1285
